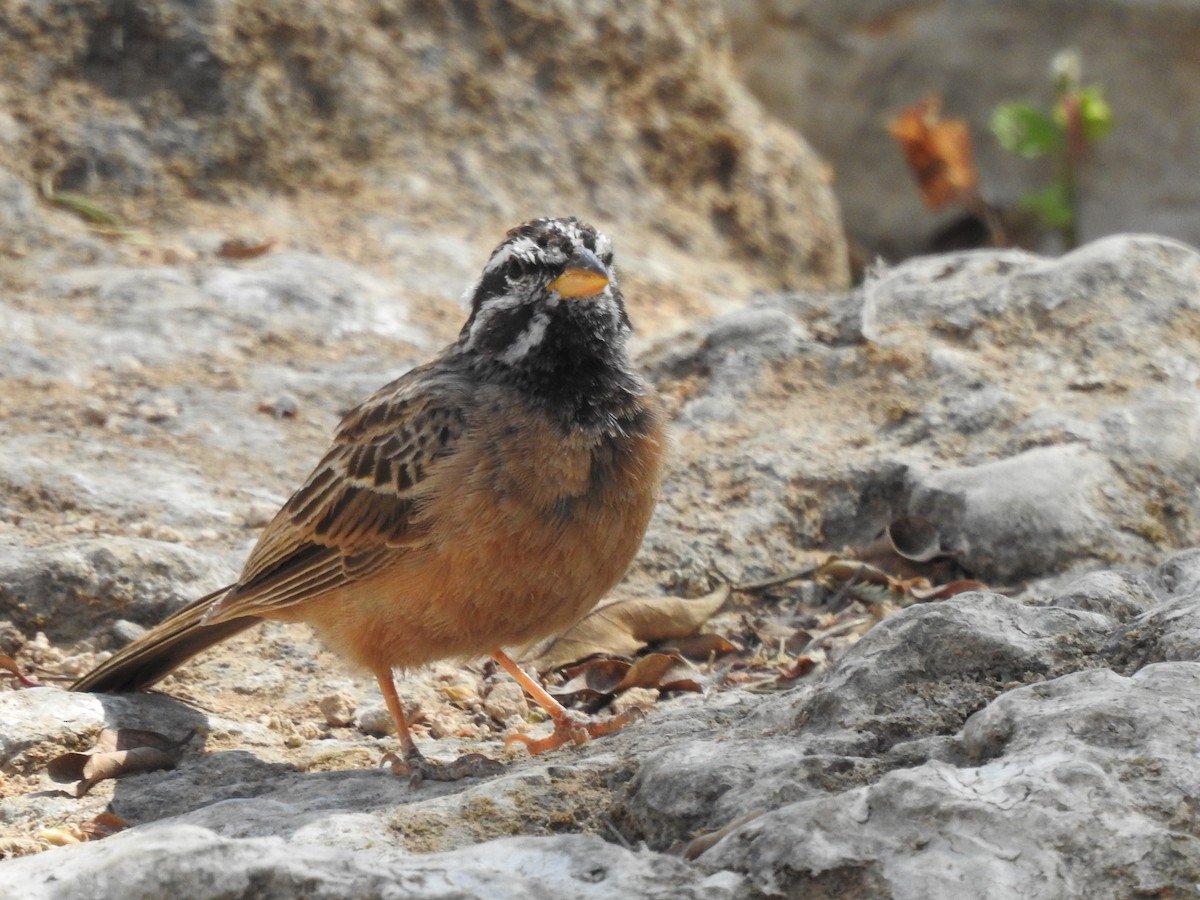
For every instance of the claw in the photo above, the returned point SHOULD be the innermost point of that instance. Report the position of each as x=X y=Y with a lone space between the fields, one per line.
x=418 y=768
x=570 y=729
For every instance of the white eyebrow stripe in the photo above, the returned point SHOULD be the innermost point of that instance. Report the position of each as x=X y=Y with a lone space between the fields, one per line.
x=522 y=248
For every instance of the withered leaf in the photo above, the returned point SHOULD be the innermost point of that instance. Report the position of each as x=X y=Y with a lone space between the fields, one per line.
x=622 y=627
x=606 y=676
x=130 y=738
x=915 y=538
x=101 y=766
x=118 y=752
x=599 y=675
x=102 y=826
x=693 y=848
x=702 y=646
x=938 y=151
x=798 y=668
x=240 y=248
x=665 y=671
x=837 y=572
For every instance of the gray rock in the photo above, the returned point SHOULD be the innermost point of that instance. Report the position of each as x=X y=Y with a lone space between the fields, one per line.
x=75 y=590
x=1040 y=412
x=134 y=866
x=1020 y=517
x=1012 y=821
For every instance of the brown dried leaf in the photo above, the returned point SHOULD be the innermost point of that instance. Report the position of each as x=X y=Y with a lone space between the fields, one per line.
x=915 y=538
x=706 y=841
x=702 y=646
x=837 y=572
x=604 y=677
x=938 y=151
x=118 y=752
x=61 y=835
x=102 y=826
x=240 y=248
x=623 y=627
x=130 y=738
x=665 y=671
x=102 y=766
x=798 y=668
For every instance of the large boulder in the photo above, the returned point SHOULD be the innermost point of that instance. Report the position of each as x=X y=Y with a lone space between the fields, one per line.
x=479 y=114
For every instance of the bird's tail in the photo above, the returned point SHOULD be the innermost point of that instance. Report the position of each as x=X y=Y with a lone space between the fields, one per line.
x=162 y=649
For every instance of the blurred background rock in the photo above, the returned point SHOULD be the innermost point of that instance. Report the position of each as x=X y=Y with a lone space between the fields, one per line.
x=836 y=72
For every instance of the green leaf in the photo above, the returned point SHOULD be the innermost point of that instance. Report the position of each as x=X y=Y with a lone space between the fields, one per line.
x=1052 y=206
x=1024 y=130
x=1095 y=113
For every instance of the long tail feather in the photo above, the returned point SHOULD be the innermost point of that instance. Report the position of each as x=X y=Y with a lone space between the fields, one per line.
x=162 y=649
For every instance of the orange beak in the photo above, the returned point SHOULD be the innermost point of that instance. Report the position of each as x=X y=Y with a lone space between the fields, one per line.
x=584 y=276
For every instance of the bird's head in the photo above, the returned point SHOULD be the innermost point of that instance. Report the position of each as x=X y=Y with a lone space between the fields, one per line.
x=548 y=300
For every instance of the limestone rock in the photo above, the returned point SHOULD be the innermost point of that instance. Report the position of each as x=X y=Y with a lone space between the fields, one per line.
x=467 y=113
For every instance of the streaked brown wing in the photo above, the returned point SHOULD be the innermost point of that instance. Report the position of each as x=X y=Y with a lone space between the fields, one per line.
x=359 y=508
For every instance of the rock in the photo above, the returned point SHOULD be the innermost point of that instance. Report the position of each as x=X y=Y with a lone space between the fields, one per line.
x=888 y=55
x=978 y=826
x=78 y=589
x=1066 y=754
x=210 y=867
x=1039 y=412
x=457 y=113
x=338 y=709
x=1020 y=517
x=951 y=740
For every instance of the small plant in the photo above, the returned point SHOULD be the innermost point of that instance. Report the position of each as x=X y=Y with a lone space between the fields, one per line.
x=1080 y=117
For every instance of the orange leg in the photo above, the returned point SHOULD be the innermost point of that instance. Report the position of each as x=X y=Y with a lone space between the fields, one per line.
x=411 y=761
x=567 y=728
x=388 y=686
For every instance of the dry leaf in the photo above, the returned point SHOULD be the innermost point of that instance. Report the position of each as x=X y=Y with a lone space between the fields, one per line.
x=798 y=668
x=61 y=836
x=605 y=676
x=596 y=676
x=665 y=671
x=938 y=151
x=240 y=248
x=702 y=646
x=706 y=841
x=118 y=752
x=623 y=627
x=837 y=572
x=102 y=826
x=915 y=538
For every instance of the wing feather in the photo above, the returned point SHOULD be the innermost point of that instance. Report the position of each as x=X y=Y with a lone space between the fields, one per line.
x=361 y=507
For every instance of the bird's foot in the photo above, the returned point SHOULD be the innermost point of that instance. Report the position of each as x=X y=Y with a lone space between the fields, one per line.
x=572 y=729
x=414 y=765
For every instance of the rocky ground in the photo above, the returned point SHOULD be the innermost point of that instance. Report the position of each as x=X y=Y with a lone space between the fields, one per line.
x=1041 y=414
x=920 y=577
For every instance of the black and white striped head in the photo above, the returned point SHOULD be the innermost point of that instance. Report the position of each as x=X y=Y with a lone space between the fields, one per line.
x=547 y=299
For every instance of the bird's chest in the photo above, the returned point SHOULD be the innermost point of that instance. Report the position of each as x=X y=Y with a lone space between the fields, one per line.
x=551 y=518
x=532 y=478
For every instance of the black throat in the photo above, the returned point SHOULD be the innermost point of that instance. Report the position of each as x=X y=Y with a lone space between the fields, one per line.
x=578 y=373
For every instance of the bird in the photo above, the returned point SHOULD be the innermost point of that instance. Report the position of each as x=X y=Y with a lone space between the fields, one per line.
x=482 y=501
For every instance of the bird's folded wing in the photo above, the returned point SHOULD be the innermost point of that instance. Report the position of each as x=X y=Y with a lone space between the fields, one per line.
x=361 y=508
